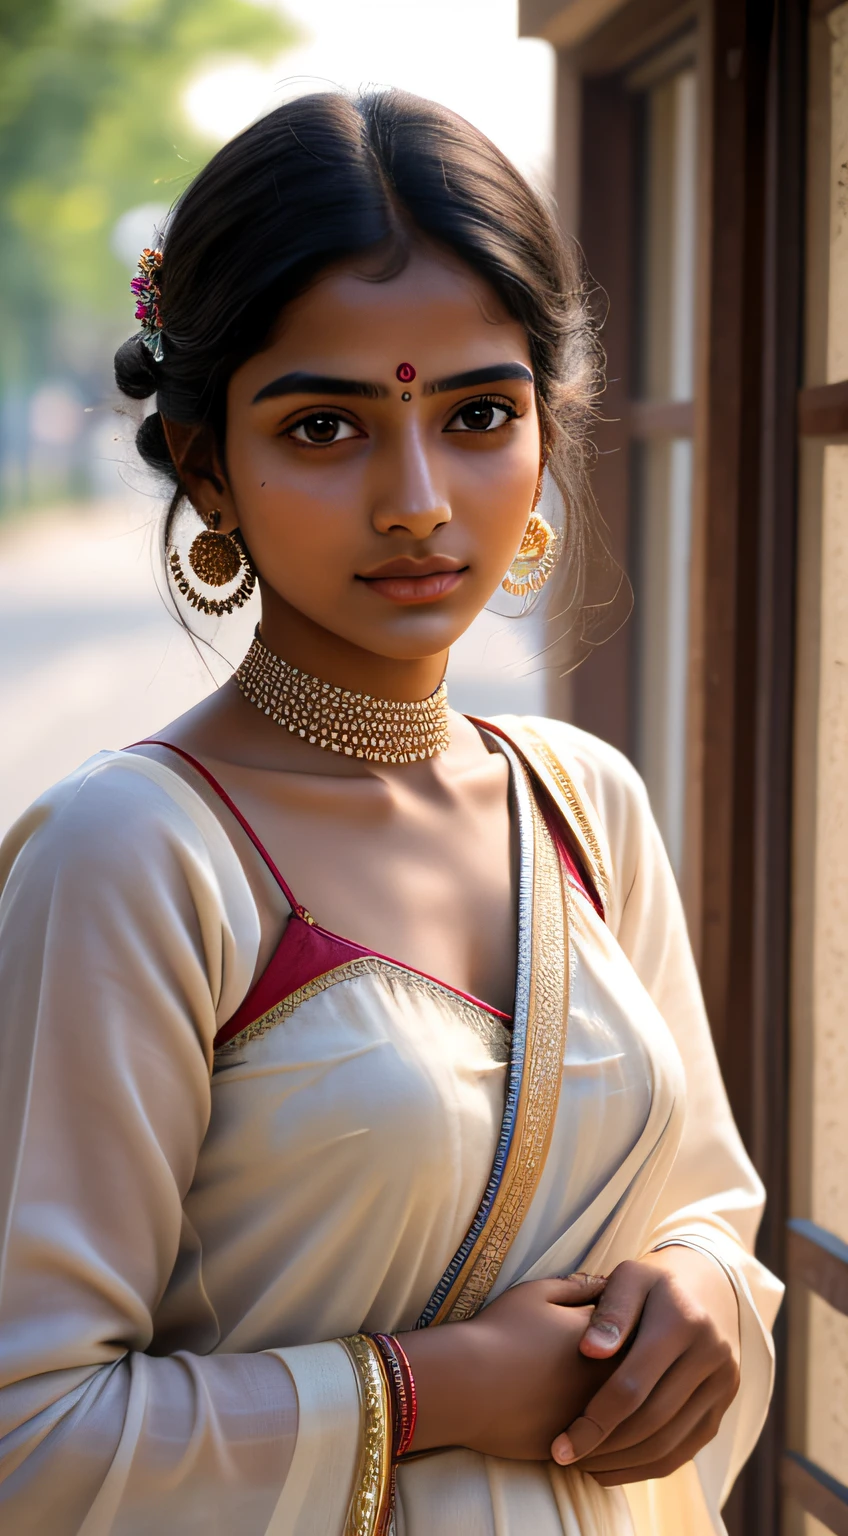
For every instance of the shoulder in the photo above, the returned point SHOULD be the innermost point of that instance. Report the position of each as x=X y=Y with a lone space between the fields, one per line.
x=119 y=819
x=609 y=790
x=603 y=777
x=124 y=857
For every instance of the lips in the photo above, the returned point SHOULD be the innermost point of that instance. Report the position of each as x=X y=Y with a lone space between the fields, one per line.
x=405 y=565
x=407 y=581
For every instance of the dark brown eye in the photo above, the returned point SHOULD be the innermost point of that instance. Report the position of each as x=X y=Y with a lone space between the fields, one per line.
x=480 y=416
x=322 y=429
x=477 y=418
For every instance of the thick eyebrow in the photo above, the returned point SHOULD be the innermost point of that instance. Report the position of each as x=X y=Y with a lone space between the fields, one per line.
x=489 y=375
x=318 y=384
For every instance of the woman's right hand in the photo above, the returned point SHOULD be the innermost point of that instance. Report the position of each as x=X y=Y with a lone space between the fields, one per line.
x=507 y=1382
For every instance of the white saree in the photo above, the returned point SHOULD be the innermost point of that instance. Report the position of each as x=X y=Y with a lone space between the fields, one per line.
x=189 y=1233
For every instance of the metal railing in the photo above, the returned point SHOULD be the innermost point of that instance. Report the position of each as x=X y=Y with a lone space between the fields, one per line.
x=819 y=1260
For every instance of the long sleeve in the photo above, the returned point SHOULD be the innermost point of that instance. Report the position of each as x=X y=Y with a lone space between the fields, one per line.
x=118 y=955
x=713 y=1198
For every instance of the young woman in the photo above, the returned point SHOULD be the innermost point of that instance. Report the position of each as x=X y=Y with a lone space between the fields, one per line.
x=365 y=1154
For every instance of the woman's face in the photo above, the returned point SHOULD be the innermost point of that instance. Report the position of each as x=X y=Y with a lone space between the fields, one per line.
x=382 y=455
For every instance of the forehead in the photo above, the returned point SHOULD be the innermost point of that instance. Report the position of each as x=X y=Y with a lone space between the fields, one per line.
x=436 y=313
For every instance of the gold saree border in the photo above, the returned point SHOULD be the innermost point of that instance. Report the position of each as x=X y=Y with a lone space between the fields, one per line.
x=485 y=1025
x=547 y=1030
x=555 y=777
x=369 y=1511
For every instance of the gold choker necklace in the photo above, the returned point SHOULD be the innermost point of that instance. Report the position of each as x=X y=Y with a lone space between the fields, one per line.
x=380 y=730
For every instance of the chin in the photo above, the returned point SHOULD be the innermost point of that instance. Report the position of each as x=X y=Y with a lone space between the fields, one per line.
x=416 y=639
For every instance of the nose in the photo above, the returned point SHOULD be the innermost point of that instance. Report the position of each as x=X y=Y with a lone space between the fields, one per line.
x=409 y=500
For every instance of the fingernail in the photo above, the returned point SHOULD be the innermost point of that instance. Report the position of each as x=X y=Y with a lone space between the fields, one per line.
x=563 y=1450
x=607 y=1333
x=587 y=1279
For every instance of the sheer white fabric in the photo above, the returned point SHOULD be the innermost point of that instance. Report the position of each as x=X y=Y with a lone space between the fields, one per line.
x=180 y=1249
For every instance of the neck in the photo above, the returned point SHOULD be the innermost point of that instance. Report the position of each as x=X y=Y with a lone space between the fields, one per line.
x=318 y=652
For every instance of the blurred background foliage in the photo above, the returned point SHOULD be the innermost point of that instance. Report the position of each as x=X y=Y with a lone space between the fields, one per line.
x=107 y=109
x=95 y=144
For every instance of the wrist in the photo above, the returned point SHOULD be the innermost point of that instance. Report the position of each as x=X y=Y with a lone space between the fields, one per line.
x=702 y=1277
x=402 y=1393
x=443 y=1362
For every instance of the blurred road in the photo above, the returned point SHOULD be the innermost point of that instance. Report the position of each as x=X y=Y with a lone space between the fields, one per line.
x=93 y=657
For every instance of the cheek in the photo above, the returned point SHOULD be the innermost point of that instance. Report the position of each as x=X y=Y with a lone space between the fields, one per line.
x=284 y=510
x=494 y=493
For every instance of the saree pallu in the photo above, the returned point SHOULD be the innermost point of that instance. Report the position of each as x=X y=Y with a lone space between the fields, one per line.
x=379 y=1151
x=685 y=1179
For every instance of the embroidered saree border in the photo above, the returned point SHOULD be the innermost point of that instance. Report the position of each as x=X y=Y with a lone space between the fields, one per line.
x=369 y=1512
x=529 y=1125
x=446 y=1287
x=490 y=1030
x=553 y=775
x=546 y=1041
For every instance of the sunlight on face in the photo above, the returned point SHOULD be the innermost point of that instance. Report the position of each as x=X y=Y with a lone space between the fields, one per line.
x=383 y=507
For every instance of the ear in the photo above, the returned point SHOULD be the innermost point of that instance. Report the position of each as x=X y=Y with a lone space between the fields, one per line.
x=198 y=462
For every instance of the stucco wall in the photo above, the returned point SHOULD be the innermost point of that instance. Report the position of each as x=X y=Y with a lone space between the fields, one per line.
x=820 y=1024
x=818 y=1401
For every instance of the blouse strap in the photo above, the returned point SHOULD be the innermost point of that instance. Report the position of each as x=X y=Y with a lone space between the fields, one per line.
x=152 y=741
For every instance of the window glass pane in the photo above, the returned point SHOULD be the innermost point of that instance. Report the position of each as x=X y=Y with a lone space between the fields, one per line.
x=661 y=577
x=665 y=369
x=662 y=479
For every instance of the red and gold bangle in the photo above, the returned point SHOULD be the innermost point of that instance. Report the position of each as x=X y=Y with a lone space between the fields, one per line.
x=404 y=1398
x=412 y=1400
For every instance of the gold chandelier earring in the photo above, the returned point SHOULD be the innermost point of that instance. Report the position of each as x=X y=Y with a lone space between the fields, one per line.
x=216 y=559
x=537 y=553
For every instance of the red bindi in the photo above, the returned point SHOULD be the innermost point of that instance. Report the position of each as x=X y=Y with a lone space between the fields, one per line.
x=405 y=372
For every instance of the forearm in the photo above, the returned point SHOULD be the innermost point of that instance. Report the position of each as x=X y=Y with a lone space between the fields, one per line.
x=210 y=1436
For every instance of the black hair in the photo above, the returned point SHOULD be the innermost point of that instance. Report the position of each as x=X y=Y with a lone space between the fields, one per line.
x=326 y=177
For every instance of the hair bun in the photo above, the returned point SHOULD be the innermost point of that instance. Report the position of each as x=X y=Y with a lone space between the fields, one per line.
x=136 y=372
x=152 y=444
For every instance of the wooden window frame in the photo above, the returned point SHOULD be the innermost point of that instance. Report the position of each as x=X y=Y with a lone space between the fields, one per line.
x=818 y=1260
x=815 y=1258
x=749 y=415
x=746 y=423
x=823 y=410
x=737 y=874
x=601 y=694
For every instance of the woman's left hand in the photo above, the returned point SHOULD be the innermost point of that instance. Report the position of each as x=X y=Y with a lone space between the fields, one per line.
x=677 y=1379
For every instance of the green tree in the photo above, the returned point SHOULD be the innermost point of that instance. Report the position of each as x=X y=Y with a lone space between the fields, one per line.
x=91 y=125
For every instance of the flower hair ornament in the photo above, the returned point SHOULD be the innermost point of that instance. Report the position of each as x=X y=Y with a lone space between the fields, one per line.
x=145 y=289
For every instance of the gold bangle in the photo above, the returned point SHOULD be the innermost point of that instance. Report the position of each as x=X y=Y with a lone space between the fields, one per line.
x=370 y=1504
